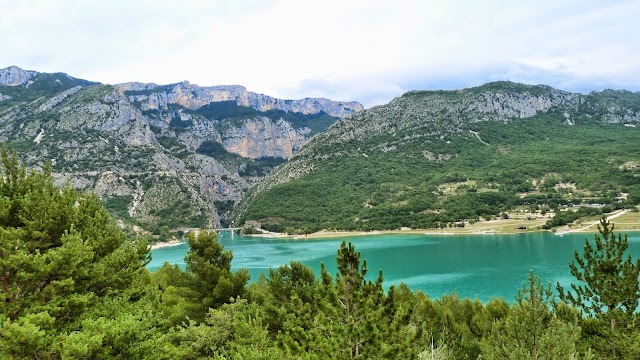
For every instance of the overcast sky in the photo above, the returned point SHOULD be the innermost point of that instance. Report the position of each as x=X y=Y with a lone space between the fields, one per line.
x=370 y=51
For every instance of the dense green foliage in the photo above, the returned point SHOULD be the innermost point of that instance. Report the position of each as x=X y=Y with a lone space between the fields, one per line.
x=360 y=184
x=215 y=150
x=531 y=329
x=569 y=216
x=608 y=291
x=72 y=286
x=63 y=265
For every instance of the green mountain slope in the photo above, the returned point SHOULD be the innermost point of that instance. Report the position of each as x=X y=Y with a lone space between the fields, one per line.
x=434 y=158
x=161 y=157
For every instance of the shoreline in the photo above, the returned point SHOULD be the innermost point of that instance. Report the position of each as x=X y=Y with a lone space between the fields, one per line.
x=337 y=234
x=164 y=244
x=592 y=225
x=485 y=227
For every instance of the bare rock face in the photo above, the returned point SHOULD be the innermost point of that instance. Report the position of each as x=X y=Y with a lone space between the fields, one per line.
x=305 y=106
x=138 y=146
x=51 y=103
x=192 y=96
x=104 y=111
x=14 y=76
x=253 y=135
x=521 y=105
x=262 y=137
x=252 y=138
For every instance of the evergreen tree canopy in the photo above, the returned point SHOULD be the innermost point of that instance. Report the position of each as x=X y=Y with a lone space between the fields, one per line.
x=61 y=258
x=207 y=283
x=210 y=269
x=610 y=280
x=607 y=291
x=360 y=302
x=531 y=330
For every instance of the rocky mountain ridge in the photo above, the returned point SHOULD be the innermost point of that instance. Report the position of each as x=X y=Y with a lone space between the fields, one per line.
x=191 y=96
x=434 y=130
x=157 y=160
x=14 y=76
x=433 y=113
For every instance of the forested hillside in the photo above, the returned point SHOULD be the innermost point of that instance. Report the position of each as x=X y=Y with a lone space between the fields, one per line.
x=437 y=158
x=160 y=157
x=73 y=286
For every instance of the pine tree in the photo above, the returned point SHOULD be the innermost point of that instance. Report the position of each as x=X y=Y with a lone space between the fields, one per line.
x=361 y=303
x=531 y=330
x=609 y=288
x=63 y=264
x=211 y=279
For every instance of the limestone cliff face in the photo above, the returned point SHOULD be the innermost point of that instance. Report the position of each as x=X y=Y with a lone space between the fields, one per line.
x=103 y=110
x=141 y=153
x=262 y=137
x=252 y=138
x=14 y=76
x=184 y=94
x=519 y=105
x=249 y=135
x=192 y=96
x=305 y=106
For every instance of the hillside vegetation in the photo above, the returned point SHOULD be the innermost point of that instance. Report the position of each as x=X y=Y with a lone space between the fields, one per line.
x=73 y=286
x=162 y=158
x=435 y=159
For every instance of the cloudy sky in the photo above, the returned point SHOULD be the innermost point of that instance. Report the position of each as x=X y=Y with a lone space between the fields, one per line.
x=369 y=51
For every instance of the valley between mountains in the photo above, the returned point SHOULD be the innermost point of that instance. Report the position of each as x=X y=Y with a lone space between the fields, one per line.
x=166 y=158
x=160 y=157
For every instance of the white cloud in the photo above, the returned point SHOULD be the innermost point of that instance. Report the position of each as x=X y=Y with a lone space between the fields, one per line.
x=361 y=50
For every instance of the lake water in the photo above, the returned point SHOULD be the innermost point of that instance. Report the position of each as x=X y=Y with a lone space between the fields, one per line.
x=474 y=266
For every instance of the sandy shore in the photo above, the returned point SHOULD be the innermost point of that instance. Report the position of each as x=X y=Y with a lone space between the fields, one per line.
x=166 y=244
x=498 y=227
x=626 y=221
x=333 y=234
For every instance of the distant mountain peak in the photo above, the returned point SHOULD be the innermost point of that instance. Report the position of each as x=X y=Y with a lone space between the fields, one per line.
x=177 y=155
x=193 y=96
x=14 y=76
x=421 y=160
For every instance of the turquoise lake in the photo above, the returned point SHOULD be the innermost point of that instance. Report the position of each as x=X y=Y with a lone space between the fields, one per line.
x=474 y=266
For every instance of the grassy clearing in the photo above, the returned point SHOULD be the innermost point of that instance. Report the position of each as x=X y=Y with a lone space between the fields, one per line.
x=498 y=226
x=628 y=222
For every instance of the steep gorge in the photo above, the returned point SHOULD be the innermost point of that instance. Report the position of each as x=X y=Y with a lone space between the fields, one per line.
x=159 y=156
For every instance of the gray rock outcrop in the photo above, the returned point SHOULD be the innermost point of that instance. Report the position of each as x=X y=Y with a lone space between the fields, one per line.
x=14 y=76
x=261 y=137
x=139 y=153
x=58 y=99
x=192 y=96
